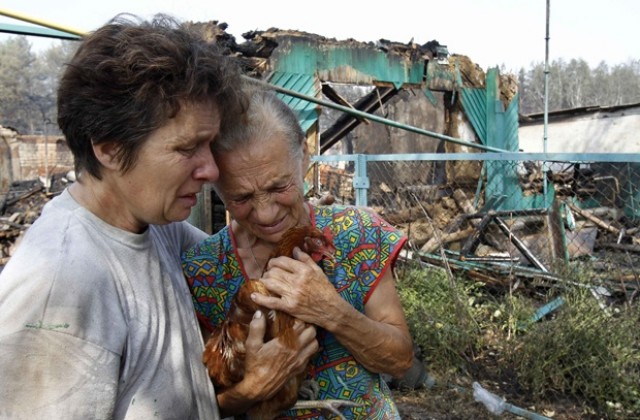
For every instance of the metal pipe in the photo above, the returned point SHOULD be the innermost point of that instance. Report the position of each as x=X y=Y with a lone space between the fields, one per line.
x=520 y=245
x=46 y=158
x=507 y=213
x=373 y=117
x=361 y=180
x=25 y=18
x=546 y=105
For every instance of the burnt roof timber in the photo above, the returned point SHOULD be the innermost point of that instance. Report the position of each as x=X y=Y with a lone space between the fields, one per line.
x=347 y=122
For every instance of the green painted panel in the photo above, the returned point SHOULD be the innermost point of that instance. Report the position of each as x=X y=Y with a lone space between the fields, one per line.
x=475 y=107
x=306 y=84
x=439 y=77
x=499 y=128
x=304 y=56
x=510 y=126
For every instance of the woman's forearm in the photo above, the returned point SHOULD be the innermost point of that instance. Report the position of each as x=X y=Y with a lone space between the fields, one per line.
x=380 y=346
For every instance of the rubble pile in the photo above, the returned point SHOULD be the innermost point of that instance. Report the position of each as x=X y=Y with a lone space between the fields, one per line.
x=448 y=227
x=21 y=206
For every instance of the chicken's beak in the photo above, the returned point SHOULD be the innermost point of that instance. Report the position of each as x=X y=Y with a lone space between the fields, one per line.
x=329 y=253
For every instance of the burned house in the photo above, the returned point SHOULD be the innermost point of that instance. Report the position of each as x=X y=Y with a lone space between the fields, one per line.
x=499 y=207
x=418 y=88
x=482 y=202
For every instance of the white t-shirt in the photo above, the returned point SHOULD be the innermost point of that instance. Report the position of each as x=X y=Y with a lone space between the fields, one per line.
x=97 y=322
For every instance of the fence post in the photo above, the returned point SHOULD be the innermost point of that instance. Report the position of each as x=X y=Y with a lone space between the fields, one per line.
x=360 y=180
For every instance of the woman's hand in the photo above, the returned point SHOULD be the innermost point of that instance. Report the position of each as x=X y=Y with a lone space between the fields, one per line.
x=268 y=365
x=378 y=338
x=303 y=289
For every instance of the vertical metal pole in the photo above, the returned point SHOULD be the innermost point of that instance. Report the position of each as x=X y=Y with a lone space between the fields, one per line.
x=360 y=180
x=546 y=106
x=46 y=156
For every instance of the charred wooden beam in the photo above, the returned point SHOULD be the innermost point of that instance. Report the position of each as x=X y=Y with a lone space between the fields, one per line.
x=439 y=240
x=347 y=122
x=598 y=222
x=507 y=213
x=622 y=247
x=473 y=240
x=21 y=197
x=5 y=221
x=520 y=245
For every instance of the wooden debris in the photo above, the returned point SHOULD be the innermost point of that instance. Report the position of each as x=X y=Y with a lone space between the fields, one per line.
x=597 y=221
x=446 y=238
x=22 y=206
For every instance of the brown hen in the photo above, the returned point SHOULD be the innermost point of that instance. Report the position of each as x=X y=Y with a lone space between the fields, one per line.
x=225 y=352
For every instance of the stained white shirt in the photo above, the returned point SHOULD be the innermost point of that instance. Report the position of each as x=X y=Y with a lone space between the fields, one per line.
x=97 y=322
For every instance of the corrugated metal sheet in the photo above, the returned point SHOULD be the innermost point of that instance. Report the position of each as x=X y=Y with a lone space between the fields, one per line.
x=493 y=126
x=303 y=83
x=474 y=103
x=497 y=127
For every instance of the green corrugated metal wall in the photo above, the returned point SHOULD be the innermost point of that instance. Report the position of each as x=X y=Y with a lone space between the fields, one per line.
x=306 y=84
x=499 y=128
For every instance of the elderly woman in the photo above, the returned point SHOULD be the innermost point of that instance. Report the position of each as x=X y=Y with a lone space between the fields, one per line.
x=96 y=321
x=360 y=323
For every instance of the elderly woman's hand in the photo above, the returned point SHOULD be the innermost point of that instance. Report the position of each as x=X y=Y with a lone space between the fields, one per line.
x=304 y=290
x=268 y=365
x=378 y=338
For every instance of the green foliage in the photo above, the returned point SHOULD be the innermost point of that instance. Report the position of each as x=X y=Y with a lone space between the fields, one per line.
x=573 y=84
x=584 y=352
x=578 y=351
x=28 y=84
x=440 y=317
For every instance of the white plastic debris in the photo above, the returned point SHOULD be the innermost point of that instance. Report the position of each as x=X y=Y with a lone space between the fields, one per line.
x=492 y=402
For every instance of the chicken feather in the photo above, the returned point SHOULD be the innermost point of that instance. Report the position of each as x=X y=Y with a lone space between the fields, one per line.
x=225 y=351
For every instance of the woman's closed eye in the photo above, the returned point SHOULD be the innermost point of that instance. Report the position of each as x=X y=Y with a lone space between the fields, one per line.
x=241 y=200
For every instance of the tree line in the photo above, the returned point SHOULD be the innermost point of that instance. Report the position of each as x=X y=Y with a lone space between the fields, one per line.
x=28 y=82
x=573 y=84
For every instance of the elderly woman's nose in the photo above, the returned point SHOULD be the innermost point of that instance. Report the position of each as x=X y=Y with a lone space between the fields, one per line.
x=264 y=208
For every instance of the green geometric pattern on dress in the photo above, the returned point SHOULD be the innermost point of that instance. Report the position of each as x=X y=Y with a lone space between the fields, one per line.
x=214 y=276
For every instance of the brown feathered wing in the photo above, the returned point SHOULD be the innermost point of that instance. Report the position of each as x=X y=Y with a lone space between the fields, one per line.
x=225 y=351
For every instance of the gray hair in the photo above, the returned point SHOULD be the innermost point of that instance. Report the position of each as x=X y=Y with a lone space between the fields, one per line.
x=266 y=116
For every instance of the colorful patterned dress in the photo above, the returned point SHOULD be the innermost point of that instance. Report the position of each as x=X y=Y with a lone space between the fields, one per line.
x=366 y=246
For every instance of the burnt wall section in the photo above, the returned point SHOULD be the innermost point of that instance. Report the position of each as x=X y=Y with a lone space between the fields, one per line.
x=7 y=137
x=29 y=157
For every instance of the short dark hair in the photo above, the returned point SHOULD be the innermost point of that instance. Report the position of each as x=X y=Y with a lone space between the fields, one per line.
x=129 y=77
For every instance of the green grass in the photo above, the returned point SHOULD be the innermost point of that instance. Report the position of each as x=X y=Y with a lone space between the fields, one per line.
x=579 y=352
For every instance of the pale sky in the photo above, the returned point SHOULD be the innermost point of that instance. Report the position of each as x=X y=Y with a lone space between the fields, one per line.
x=490 y=32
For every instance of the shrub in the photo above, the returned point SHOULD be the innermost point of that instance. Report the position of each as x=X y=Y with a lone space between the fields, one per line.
x=440 y=318
x=584 y=352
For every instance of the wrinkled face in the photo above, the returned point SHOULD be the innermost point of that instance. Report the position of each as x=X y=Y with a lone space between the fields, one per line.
x=172 y=166
x=262 y=187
